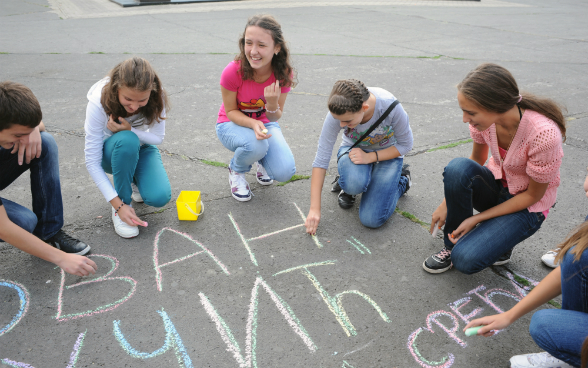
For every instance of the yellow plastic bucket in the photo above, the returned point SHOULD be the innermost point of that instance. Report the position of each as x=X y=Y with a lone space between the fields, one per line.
x=189 y=205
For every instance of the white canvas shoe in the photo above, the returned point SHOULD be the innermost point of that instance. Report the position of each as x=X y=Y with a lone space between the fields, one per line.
x=123 y=229
x=239 y=186
x=136 y=196
x=539 y=360
x=262 y=176
x=549 y=258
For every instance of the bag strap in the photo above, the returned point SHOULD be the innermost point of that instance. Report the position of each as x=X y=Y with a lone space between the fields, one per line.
x=371 y=129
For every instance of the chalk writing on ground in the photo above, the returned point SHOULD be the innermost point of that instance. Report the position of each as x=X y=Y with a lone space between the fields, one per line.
x=172 y=338
x=157 y=266
x=100 y=309
x=246 y=241
x=485 y=296
x=23 y=296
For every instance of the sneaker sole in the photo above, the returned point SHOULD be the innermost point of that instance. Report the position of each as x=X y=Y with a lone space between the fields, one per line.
x=241 y=199
x=265 y=182
x=126 y=236
x=83 y=252
x=430 y=270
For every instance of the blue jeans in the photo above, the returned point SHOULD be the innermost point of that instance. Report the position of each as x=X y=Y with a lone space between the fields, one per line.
x=470 y=186
x=46 y=219
x=128 y=161
x=562 y=332
x=273 y=153
x=380 y=183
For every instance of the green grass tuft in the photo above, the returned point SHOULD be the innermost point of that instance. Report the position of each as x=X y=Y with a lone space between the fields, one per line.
x=412 y=218
x=214 y=163
x=96 y=52
x=294 y=178
x=451 y=145
x=4 y=53
x=526 y=283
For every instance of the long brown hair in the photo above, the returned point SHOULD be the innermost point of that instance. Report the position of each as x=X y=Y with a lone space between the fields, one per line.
x=135 y=73
x=18 y=105
x=578 y=240
x=493 y=88
x=348 y=95
x=281 y=64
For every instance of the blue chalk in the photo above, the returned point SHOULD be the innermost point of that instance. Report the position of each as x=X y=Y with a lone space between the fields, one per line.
x=472 y=331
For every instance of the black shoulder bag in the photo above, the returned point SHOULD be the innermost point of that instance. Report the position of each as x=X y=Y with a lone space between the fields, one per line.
x=371 y=129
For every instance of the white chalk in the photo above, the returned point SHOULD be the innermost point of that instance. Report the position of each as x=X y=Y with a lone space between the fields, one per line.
x=435 y=230
x=264 y=131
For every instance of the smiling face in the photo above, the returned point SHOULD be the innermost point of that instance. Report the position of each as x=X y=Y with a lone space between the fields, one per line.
x=13 y=134
x=132 y=100
x=259 y=47
x=475 y=115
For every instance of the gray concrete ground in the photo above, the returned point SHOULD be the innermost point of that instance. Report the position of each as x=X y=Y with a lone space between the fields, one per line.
x=219 y=309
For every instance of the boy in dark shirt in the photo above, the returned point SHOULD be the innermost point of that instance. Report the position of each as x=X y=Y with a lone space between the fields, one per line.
x=25 y=145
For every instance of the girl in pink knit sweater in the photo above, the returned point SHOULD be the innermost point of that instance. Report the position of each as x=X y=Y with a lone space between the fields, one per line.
x=514 y=189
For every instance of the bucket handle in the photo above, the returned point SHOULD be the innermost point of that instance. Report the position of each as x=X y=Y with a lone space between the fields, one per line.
x=194 y=213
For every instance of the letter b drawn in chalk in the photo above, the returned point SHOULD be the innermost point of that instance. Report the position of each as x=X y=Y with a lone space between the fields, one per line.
x=73 y=358
x=250 y=358
x=23 y=296
x=246 y=241
x=103 y=308
x=334 y=303
x=157 y=266
x=172 y=339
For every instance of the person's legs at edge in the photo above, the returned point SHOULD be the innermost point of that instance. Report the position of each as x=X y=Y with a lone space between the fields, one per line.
x=386 y=186
x=279 y=160
x=151 y=177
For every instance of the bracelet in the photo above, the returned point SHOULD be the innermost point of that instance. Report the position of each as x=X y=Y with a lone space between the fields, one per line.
x=377 y=158
x=119 y=207
x=273 y=112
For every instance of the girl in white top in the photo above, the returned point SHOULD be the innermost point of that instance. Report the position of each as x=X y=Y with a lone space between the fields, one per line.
x=125 y=121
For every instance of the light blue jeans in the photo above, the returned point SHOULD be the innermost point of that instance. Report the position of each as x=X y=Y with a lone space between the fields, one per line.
x=562 y=332
x=273 y=153
x=380 y=183
x=128 y=161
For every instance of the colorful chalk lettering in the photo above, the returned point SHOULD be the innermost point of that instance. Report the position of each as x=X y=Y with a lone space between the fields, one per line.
x=172 y=339
x=250 y=358
x=334 y=303
x=458 y=304
x=103 y=308
x=360 y=247
x=157 y=267
x=246 y=241
x=73 y=358
x=23 y=296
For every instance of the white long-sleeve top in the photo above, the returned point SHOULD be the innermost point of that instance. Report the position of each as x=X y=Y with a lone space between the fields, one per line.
x=97 y=133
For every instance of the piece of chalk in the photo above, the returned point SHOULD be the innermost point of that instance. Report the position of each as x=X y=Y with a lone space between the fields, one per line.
x=264 y=131
x=144 y=224
x=435 y=230
x=472 y=331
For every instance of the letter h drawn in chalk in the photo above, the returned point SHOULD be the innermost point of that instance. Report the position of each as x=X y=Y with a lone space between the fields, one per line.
x=334 y=303
x=246 y=241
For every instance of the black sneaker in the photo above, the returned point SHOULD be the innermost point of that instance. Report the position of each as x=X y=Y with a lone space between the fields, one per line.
x=345 y=200
x=438 y=262
x=504 y=259
x=336 y=188
x=406 y=172
x=68 y=244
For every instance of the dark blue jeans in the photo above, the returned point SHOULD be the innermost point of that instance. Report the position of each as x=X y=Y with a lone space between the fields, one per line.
x=470 y=186
x=561 y=332
x=380 y=183
x=46 y=219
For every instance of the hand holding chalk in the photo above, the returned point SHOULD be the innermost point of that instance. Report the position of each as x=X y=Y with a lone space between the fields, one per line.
x=264 y=131
x=472 y=330
x=435 y=230
x=144 y=224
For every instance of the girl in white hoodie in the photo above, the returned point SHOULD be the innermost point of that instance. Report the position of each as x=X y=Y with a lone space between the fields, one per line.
x=125 y=121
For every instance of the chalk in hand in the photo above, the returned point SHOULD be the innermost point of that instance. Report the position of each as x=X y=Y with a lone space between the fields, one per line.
x=472 y=331
x=435 y=230
x=264 y=131
x=144 y=224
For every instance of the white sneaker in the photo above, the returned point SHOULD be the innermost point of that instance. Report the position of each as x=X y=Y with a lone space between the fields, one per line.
x=239 y=186
x=549 y=258
x=539 y=360
x=136 y=196
x=123 y=229
x=262 y=176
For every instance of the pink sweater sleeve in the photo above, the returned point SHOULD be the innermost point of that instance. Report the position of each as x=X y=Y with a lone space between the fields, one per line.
x=545 y=155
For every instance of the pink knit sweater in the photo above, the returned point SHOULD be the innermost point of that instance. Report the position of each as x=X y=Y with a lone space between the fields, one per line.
x=535 y=152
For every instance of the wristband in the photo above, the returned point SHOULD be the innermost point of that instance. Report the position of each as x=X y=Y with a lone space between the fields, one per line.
x=119 y=207
x=273 y=112
x=377 y=158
